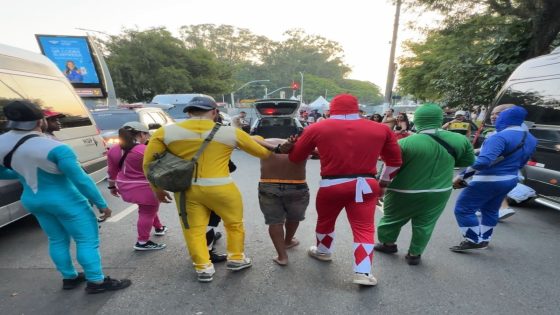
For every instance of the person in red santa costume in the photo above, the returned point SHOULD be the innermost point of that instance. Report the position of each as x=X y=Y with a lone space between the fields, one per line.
x=349 y=149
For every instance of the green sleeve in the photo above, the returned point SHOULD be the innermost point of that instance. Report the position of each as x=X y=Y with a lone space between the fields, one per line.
x=466 y=157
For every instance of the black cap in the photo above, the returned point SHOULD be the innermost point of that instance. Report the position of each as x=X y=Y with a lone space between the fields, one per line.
x=22 y=114
x=202 y=102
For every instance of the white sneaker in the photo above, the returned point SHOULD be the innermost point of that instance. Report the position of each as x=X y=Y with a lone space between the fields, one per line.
x=314 y=252
x=206 y=275
x=236 y=265
x=505 y=213
x=364 y=279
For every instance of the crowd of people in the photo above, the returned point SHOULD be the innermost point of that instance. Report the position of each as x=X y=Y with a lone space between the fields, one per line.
x=416 y=182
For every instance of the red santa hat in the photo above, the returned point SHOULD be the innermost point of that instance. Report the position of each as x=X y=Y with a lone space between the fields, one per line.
x=344 y=104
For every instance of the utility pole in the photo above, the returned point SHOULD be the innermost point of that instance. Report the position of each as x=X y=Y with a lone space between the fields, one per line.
x=391 y=71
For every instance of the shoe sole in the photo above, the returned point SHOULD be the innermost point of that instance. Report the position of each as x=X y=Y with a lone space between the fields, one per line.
x=386 y=251
x=143 y=249
x=321 y=258
x=237 y=268
x=467 y=249
x=506 y=216
x=206 y=280
x=364 y=282
x=124 y=286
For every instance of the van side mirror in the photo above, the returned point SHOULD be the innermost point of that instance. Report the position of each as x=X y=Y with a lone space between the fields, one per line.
x=154 y=126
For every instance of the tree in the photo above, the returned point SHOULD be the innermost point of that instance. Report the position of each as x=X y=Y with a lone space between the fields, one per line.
x=465 y=63
x=146 y=63
x=543 y=17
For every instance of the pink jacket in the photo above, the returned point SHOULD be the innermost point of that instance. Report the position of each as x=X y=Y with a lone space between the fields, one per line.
x=130 y=180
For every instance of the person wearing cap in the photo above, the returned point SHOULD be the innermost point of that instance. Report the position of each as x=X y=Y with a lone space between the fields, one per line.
x=494 y=174
x=349 y=149
x=53 y=123
x=459 y=124
x=58 y=193
x=213 y=188
x=127 y=180
x=421 y=189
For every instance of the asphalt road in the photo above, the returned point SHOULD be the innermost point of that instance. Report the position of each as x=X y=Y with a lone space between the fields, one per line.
x=518 y=274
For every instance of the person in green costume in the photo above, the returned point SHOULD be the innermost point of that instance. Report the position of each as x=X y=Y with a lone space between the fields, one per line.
x=421 y=189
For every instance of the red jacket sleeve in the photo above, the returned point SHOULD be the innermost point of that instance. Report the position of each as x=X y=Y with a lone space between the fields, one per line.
x=391 y=152
x=304 y=146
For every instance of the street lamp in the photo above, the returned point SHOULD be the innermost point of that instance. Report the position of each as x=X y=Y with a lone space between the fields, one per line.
x=244 y=85
x=301 y=87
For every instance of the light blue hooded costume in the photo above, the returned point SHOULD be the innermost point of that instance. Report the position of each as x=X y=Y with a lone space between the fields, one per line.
x=494 y=174
x=58 y=192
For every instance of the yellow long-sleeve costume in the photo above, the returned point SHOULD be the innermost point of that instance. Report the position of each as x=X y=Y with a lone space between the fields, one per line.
x=214 y=188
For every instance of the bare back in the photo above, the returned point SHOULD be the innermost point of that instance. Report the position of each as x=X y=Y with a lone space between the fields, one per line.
x=278 y=166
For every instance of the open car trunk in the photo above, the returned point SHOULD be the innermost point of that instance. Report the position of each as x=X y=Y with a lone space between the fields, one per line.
x=276 y=118
x=276 y=108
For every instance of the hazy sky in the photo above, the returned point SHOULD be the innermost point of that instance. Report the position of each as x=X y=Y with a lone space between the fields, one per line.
x=362 y=27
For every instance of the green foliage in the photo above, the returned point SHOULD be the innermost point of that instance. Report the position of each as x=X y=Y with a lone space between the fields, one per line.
x=217 y=59
x=146 y=63
x=465 y=63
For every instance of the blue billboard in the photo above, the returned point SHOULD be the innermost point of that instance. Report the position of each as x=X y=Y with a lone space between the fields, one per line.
x=72 y=55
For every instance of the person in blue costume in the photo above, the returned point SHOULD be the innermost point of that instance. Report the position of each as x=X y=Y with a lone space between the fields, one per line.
x=58 y=193
x=494 y=174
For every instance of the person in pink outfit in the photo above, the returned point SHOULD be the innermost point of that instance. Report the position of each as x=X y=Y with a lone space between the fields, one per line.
x=127 y=180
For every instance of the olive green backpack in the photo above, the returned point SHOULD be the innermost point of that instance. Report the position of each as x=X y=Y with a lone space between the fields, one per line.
x=172 y=173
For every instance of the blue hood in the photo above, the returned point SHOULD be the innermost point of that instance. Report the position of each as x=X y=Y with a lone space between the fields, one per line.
x=513 y=116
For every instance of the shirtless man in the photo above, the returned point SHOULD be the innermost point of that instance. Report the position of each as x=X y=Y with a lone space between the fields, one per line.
x=389 y=119
x=283 y=198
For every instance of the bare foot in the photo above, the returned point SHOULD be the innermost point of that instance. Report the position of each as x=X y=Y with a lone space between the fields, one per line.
x=293 y=243
x=281 y=262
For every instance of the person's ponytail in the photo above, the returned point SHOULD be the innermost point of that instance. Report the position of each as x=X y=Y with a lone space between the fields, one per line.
x=127 y=138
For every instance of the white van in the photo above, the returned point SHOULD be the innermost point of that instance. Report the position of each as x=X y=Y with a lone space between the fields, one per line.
x=31 y=76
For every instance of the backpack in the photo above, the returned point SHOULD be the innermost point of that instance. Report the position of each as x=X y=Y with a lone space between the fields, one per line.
x=172 y=173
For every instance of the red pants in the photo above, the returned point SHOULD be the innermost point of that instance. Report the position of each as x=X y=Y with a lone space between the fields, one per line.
x=330 y=201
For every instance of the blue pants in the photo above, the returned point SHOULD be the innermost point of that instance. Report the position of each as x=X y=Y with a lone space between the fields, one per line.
x=76 y=221
x=485 y=197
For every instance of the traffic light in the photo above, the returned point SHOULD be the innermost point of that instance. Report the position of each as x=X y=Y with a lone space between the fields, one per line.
x=295 y=86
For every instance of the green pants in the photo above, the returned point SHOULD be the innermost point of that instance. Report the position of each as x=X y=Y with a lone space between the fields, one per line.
x=422 y=209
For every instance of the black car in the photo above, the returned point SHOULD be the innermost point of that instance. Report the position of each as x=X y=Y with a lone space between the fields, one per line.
x=276 y=118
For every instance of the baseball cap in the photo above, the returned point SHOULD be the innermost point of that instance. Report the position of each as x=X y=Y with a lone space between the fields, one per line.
x=136 y=125
x=460 y=112
x=202 y=102
x=52 y=114
x=22 y=115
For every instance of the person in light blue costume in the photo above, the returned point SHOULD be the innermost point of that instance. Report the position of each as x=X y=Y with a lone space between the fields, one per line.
x=494 y=174
x=58 y=193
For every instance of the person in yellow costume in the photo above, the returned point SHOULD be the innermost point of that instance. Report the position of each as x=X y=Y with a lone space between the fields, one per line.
x=214 y=188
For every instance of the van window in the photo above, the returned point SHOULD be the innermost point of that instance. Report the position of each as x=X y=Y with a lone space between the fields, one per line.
x=6 y=95
x=50 y=94
x=159 y=119
x=541 y=99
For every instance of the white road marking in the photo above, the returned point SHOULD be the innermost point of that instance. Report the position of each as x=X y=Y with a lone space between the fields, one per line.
x=123 y=214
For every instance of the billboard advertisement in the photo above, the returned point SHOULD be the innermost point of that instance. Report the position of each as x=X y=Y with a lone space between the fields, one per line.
x=74 y=57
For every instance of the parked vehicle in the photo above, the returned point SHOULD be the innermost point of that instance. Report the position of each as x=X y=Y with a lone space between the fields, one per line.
x=535 y=85
x=26 y=75
x=179 y=101
x=276 y=118
x=110 y=120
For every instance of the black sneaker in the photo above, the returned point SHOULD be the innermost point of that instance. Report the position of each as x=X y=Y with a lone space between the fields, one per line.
x=149 y=246
x=69 y=284
x=217 y=257
x=412 y=260
x=468 y=245
x=384 y=248
x=161 y=231
x=108 y=284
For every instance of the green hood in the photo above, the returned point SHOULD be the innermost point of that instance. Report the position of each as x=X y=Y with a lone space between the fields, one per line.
x=428 y=116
